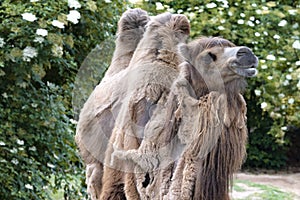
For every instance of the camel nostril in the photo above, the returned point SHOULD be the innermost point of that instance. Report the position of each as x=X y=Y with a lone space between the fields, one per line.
x=243 y=51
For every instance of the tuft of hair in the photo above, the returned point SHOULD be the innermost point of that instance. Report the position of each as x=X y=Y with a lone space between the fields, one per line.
x=176 y=22
x=132 y=19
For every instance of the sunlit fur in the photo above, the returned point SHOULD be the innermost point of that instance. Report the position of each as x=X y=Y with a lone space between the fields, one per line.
x=147 y=81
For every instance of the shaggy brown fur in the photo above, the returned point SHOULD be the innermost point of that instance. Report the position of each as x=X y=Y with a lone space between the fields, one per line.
x=203 y=122
x=148 y=79
x=213 y=126
x=96 y=119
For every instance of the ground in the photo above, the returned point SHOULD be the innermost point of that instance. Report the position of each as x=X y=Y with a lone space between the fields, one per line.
x=279 y=186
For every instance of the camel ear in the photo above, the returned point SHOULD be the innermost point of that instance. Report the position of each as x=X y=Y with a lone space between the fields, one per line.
x=185 y=51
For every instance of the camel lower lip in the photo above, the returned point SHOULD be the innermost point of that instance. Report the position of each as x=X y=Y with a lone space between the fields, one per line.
x=246 y=72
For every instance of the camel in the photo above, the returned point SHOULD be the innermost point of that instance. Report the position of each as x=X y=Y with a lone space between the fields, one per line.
x=202 y=125
x=96 y=119
x=172 y=124
x=149 y=76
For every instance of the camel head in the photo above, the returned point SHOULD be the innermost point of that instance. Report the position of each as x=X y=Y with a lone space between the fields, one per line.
x=218 y=61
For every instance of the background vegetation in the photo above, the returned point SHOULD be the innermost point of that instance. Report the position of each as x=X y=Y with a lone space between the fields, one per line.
x=39 y=60
x=44 y=43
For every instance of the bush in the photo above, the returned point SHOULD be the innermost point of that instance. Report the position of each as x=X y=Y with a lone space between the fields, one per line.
x=42 y=46
x=271 y=29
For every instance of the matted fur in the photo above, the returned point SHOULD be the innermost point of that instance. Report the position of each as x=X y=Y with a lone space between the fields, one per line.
x=147 y=82
x=205 y=129
x=96 y=119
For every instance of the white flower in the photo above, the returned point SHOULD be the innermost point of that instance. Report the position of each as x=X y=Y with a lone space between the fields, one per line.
x=271 y=57
x=263 y=105
x=74 y=4
x=296 y=44
x=2 y=43
x=58 y=24
x=281 y=95
x=252 y=18
x=264 y=67
x=211 y=5
x=288 y=77
x=50 y=165
x=270 y=77
x=32 y=148
x=34 y=0
x=73 y=121
x=240 y=21
x=20 y=142
x=42 y=32
x=13 y=150
x=298 y=85
x=159 y=6
x=292 y=12
x=5 y=95
x=221 y=28
x=257 y=34
x=250 y=23
x=192 y=15
x=29 y=17
x=230 y=13
x=15 y=161
x=277 y=37
x=28 y=53
x=284 y=128
x=28 y=186
x=257 y=92
x=39 y=39
x=57 y=50
x=134 y=1
x=73 y=16
x=297 y=63
x=286 y=83
x=295 y=26
x=282 y=59
x=107 y=1
x=291 y=100
x=2 y=143
x=282 y=23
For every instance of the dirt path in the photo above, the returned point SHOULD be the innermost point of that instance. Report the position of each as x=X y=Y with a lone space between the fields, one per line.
x=285 y=182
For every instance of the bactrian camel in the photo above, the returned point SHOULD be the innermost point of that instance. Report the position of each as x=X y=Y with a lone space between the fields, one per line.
x=179 y=129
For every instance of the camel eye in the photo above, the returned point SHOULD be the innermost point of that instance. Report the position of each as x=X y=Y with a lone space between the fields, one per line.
x=213 y=56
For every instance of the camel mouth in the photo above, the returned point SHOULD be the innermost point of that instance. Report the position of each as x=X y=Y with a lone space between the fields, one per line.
x=245 y=71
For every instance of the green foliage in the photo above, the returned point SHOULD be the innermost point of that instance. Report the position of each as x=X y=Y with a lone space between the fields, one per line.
x=271 y=29
x=39 y=61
